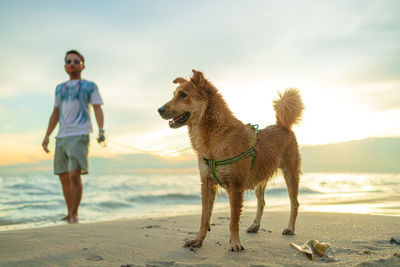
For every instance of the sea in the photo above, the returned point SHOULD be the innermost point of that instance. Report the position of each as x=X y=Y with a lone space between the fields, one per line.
x=30 y=201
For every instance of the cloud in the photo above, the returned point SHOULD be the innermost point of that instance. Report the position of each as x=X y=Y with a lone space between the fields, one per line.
x=384 y=97
x=22 y=148
x=26 y=112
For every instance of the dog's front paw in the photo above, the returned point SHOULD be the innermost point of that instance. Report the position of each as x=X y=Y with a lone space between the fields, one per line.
x=236 y=246
x=288 y=231
x=195 y=243
x=253 y=228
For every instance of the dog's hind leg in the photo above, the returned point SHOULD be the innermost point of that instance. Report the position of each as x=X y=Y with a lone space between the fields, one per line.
x=259 y=191
x=208 y=194
x=291 y=174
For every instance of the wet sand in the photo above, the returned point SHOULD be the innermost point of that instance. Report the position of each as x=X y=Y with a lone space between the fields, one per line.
x=355 y=239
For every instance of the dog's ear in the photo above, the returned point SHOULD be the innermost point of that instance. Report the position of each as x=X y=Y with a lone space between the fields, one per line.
x=198 y=79
x=180 y=80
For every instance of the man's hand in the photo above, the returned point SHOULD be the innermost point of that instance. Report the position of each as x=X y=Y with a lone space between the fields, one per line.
x=101 y=137
x=45 y=143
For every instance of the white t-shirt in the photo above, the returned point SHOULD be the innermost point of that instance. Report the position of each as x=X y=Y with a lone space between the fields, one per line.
x=73 y=98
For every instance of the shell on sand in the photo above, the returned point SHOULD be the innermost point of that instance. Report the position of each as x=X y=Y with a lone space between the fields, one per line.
x=305 y=249
x=312 y=246
x=320 y=248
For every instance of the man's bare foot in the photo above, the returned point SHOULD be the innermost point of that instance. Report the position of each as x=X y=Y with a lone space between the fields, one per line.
x=66 y=218
x=73 y=219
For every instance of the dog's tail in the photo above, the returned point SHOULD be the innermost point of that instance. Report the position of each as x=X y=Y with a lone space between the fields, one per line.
x=289 y=108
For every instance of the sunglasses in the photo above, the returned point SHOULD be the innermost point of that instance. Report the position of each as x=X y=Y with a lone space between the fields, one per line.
x=76 y=61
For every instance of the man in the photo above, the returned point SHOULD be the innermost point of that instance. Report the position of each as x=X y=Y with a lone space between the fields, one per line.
x=71 y=111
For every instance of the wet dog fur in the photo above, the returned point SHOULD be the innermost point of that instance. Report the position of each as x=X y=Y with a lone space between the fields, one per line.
x=215 y=133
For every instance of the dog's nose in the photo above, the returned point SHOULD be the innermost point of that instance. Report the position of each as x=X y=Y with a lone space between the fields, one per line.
x=161 y=110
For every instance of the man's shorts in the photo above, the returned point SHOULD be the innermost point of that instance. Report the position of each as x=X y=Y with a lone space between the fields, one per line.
x=71 y=154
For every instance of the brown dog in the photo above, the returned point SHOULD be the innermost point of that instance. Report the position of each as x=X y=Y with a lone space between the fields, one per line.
x=216 y=134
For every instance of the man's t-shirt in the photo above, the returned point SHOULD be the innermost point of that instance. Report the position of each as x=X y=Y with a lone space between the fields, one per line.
x=73 y=98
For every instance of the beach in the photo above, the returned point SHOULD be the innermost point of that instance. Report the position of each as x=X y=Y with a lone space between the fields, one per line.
x=355 y=239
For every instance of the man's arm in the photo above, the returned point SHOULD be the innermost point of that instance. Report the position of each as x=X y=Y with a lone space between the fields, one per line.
x=52 y=124
x=98 y=112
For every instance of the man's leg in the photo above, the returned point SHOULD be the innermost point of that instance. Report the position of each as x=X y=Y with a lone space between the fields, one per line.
x=76 y=193
x=66 y=187
x=77 y=164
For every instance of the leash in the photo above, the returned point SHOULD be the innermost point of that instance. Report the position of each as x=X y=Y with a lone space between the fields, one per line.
x=149 y=151
x=213 y=164
x=101 y=141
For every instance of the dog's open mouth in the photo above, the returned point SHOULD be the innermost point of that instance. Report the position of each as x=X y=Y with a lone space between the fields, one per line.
x=179 y=121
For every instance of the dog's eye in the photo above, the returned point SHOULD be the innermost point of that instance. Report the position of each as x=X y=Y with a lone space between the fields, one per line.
x=182 y=95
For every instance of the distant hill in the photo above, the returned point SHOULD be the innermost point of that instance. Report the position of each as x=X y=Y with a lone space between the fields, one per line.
x=368 y=155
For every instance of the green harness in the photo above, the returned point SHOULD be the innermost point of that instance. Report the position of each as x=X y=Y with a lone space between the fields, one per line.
x=213 y=164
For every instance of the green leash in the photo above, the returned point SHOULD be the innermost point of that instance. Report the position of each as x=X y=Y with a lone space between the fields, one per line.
x=213 y=164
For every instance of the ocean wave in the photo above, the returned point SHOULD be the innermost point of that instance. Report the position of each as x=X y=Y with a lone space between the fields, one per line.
x=114 y=205
x=167 y=198
x=305 y=190
x=280 y=191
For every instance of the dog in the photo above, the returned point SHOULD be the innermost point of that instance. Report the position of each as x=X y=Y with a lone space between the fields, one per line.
x=216 y=135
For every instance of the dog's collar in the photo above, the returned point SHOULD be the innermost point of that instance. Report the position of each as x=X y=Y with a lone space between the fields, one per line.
x=212 y=164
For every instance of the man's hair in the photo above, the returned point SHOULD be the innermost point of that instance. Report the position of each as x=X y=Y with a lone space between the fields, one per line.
x=76 y=53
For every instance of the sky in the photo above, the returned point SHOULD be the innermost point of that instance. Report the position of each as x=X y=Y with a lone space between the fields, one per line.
x=344 y=57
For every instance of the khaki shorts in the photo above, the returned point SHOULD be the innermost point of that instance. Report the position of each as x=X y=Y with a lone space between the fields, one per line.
x=71 y=154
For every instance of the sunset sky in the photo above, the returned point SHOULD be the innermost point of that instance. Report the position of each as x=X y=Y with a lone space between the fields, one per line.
x=344 y=56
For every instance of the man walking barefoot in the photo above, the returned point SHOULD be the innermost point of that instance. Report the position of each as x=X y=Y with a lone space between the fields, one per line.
x=71 y=111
